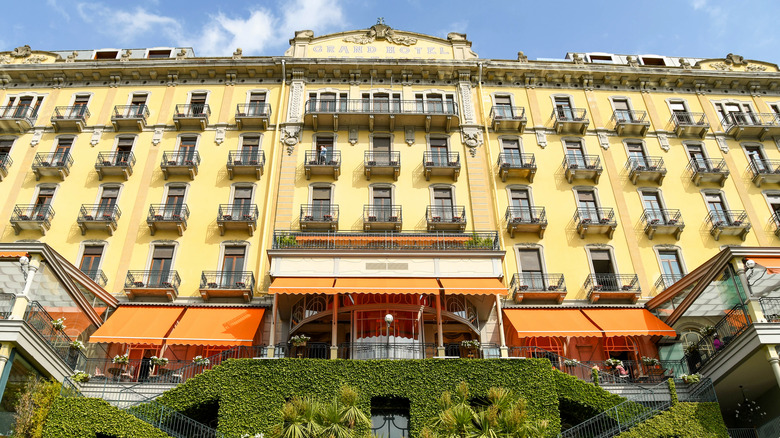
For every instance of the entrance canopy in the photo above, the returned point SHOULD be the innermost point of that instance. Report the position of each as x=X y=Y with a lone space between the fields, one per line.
x=217 y=326
x=138 y=325
x=628 y=322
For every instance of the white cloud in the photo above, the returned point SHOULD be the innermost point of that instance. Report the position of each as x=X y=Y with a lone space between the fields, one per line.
x=698 y=4
x=127 y=26
x=53 y=5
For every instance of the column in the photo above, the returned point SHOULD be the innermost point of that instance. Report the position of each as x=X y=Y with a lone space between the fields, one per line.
x=501 y=334
x=774 y=361
x=272 y=339
x=334 y=347
x=440 y=339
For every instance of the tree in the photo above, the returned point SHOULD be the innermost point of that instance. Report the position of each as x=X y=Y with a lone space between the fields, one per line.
x=307 y=418
x=33 y=407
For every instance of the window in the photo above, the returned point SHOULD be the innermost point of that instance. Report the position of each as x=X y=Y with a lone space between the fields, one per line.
x=327 y=101
x=124 y=147
x=321 y=200
x=5 y=148
x=563 y=108
x=622 y=111
x=671 y=266
x=250 y=149
x=587 y=205
x=390 y=417
x=381 y=102
x=80 y=105
x=108 y=54
x=233 y=265
x=717 y=208
x=574 y=153
x=42 y=201
x=503 y=107
x=636 y=153
x=19 y=106
x=174 y=201
x=680 y=112
x=242 y=201
x=602 y=264
x=137 y=105
x=735 y=113
x=90 y=259
x=324 y=145
x=531 y=272
x=757 y=159
x=653 y=61
x=654 y=207
x=164 y=53
x=382 y=203
x=198 y=104
x=775 y=107
x=520 y=200
x=256 y=105
x=512 y=153
x=435 y=103
x=162 y=259
x=699 y=158
x=380 y=148
x=443 y=207
x=107 y=202
x=439 y=151
x=774 y=204
x=187 y=147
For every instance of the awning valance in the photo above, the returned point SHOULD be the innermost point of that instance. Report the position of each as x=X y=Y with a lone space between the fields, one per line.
x=473 y=286
x=302 y=285
x=137 y=325
x=387 y=285
x=550 y=322
x=13 y=254
x=217 y=326
x=628 y=322
x=772 y=264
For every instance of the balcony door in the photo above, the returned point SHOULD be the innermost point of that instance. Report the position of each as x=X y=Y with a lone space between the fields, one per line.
x=174 y=202
x=324 y=147
x=574 y=154
x=233 y=266
x=197 y=104
x=382 y=203
x=62 y=151
x=380 y=149
x=735 y=113
x=521 y=204
x=603 y=269
x=622 y=111
x=23 y=105
x=563 y=108
x=124 y=147
x=531 y=273
x=503 y=107
x=774 y=205
x=79 y=106
x=320 y=204
x=435 y=104
x=587 y=205
x=439 y=151
x=680 y=113
x=717 y=207
x=636 y=153
x=512 y=155
x=700 y=161
x=328 y=102
x=42 y=202
x=443 y=207
x=671 y=267
x=250 y=150
x=137 y=105
x=90 y=260
x=242 y=203
x=256 y=105
x=186 y=153
x=757 y=159
x=160 y=269
x=107 y=202
x=5 y=150
x=654 y=211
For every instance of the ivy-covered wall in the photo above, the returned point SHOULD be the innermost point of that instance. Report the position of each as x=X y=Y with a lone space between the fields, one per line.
x=86 y=417
x=684 y=420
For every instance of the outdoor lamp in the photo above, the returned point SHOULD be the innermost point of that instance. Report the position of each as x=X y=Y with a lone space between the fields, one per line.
x=24 y=265
x=389 y=319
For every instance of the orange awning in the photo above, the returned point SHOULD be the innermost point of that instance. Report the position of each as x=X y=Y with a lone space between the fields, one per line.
x=772 y=264
x=137 y=325
x=387 y=285
x=628 y=322
x=372 y=238
x=217 y=326
x=13 y=254
x=302 y=285
x=473 y=286
x=550 y=322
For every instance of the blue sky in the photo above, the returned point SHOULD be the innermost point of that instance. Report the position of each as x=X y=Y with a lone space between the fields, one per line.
x=548 y=29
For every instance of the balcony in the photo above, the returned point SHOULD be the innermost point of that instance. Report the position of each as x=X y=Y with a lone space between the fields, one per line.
x=525 y=220
x=156 y=284
x=386 y=241
x=70 y=118
x=582 y=167
x=708 y=170
x=650 y=169
x=382 y=217
x=253 y=115
x=612 y=288
x=98 y=217
x=245 y=163
x=690 y=124
x=751 y=125
x=382 y=163
x=630 y=122
x=441 y=164
x=329 y=164
x=775 y=219
x=237 y=217
x=382 y=114
x=98 y=276
x=317 y=217
x=32 y=217
x=5 y=163
x=17 y=118
x=570 y=120
x=52 y=164
x=180 y=163
x=168 y=217
x=595 y=221
x=129 y=117
x=662 y=222
x=728 y=223
x=537 y=286
x=666 y=280
x=115 y=164
x=765 y=171
x=191 y=116
x=227 y=284
x=446 y=218
x=508 y=118
x=514 y=165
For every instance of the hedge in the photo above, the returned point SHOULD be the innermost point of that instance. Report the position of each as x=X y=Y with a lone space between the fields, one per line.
x=86 y=417
x=683 y=420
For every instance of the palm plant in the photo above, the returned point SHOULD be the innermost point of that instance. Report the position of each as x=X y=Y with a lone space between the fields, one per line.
x=306 y=418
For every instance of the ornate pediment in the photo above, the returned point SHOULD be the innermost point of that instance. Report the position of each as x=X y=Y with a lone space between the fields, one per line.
x=25 y=55
x=735 y=63
x=381 y=31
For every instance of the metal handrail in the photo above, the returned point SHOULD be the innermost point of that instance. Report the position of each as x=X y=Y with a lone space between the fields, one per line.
x=319 y=213
x=506 y=112
x=381 y=106
x=39 y=319
x=763 y=167
x=569 y=114
x=689 y=119
x=195 y=110
x=99 y=212
x=246 y=158
x=153 y=279
x=612 y=283
x=750 y=119
x=661 y=216
x=253 y=110
x=330 y=158
x=227 y=280
x=537 y=282
x=115 y=159
x=76 y=112
x=97 y=275
x=382 y=213
x=707 y=165
x=382 y=159
x=168 y=213
x=585 y=162
x=238 y=212
x=645 y=164
x=733 y=324
x=666 y=280
x=727 y=218
x=629 y=117
x=130 y=112
x=441 y=159
x=53 y=159
x=770 y=307
x=5 y=161
x=28 y=112
x=595 y=216
x=526 y=215
x=386 y=350
x=455 y=213
x=512 y=160
x=387 y=241
x=32 y=212
x=180 y=158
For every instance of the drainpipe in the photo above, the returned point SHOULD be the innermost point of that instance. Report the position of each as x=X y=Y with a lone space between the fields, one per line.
x=774 y=361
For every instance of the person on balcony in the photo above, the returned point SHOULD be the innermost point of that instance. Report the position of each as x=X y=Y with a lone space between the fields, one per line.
x=716 y=342
x=146 y=365
x=622 y=372
x=323 y=152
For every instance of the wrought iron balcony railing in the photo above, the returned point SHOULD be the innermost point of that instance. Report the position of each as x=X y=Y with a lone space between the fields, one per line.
x=115 y=159
x=751 y=119
x=238 y=212
x=513 y=160
x=39 y=319
x=689 y=120
x=612 y=283
x=98 y=276
x=27 y=113
x=453 y=214
x=75 y=113
x=645 y=164
x=595 y=216
x=53 y=159
x=770 y=307
x=441 y=159
x=33 y=213
x=99 y=213
x=629 y=117
x=227 y=280
x=382 y=159
x=505 y=112
x=196 y=110
x=329 y=158
x=708 y=170
x=153 y=279
x=5 y=162
x=387 y=241
x=728 y=222
x=764 y=167
x=666 y=280
x=661 y=217
x=253 y=110
x=180 y=158
x=319 y=213
x=582 y=162
x=526 y=215
x=382 y=213
x=131 y=112
x=570 y=114
x=168 y=213
x=380 y=106
x=246 y=158
x=537 y=282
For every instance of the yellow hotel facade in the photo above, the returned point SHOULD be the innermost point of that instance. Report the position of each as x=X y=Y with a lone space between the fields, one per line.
x=421 y=194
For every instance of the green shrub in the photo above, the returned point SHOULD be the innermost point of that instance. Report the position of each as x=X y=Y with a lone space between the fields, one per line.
x=684 y=420
x=86 y=417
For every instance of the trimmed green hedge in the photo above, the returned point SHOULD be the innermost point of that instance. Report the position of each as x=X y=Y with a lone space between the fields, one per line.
x=683 y=420
x=580 y=400
x=86 y=417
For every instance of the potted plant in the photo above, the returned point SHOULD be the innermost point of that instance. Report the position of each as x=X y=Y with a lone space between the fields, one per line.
x=159 y=361
x=470 y=347
x=613 y=363
x=121 y=359
x=200 y=361
x=707 y=330
x=58 y=324
x=80 y=376
x=299 y=340
x=77 y=345
x=651 y=361
x=571 y=362
x=691 y=378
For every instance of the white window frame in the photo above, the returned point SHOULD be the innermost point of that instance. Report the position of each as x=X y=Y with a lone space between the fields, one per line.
x=447 y=137
x=154 y=243
x=242 y=185
x=371 y=188
x=316 y=135
x=259 y=135
x=442 y=186
x=132 y=94
x=525 y=187
x=115 y=146
x=721 y=193
x=186 y=135
x=322 y=185
x=81 y=93
x=85 y=243
x=657 y=250
x=382 y=135
x=204 y=91
x=103 y=186
x=599 y=247
x=171 y=55
x=766 y=194
x=57 y=142
x=13 y=99
x=426 y=93
x=95 y=53
x=175 y=184
x=502 y=138
x=225 y=244
x=526 y=246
